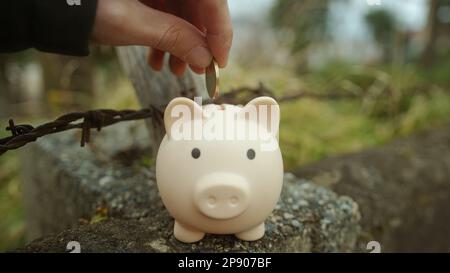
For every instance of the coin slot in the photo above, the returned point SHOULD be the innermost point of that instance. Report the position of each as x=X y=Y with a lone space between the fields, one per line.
x=251 y=154
x=195 y=153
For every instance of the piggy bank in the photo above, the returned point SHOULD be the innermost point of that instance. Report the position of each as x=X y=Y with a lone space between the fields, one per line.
x=219 y=168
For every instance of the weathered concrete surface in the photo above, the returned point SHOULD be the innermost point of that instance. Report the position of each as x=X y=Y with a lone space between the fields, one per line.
x=64 y=183
x=309 y=218
x=403 y=190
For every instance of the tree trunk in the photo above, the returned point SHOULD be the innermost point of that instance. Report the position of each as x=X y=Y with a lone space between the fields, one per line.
x=156 y=89
x=431 y=33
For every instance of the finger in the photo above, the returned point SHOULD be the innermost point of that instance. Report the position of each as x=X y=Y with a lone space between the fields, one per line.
x=156 y=59
x=219 y=31
x=176 y=8
x=197 y=70
x=169 y=33
x=177 y=66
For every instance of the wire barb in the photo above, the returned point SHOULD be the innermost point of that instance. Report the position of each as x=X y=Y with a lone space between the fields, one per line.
x=17 y=130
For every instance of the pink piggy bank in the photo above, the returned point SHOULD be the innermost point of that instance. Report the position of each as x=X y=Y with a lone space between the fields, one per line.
x=219 y=168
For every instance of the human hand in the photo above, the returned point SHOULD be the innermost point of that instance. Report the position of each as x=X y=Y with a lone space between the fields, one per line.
x=191 y=31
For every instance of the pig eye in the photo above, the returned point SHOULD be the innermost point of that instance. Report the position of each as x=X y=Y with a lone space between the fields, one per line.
x=195 y=153
x=251 y=154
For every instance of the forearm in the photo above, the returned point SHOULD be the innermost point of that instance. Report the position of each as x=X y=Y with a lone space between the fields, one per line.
x=47 y=25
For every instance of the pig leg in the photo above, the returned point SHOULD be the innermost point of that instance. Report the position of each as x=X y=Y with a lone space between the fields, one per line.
x=252 y=234
x=185 y=234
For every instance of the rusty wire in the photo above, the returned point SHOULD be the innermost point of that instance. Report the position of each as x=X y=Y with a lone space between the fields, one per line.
x=97 y=119
x=244 y=94
x=93 y=119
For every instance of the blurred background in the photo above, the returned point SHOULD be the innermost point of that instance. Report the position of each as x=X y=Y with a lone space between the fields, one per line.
x=391 y=57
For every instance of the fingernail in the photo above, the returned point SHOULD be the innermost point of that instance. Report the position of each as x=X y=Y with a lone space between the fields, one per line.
x=199 y=57
x=224 y=63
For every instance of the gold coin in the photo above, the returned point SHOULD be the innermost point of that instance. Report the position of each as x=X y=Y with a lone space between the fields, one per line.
x=212 y=79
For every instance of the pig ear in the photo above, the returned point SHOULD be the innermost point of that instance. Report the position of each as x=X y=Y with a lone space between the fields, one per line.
x=181 y=108
x=267 y=113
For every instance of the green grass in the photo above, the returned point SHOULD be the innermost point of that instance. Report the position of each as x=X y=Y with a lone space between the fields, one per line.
x=396 y=101
x=12 y=225
x=311 y=130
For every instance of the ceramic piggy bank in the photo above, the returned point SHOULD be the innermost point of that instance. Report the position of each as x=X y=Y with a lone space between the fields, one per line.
x=219 y=168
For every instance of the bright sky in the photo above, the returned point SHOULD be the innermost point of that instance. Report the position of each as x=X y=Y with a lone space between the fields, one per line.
x=351 y=35
x=249 y=7
x=348 y=17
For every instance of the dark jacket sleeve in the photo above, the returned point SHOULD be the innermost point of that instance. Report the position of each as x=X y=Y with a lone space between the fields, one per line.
x=57 y=26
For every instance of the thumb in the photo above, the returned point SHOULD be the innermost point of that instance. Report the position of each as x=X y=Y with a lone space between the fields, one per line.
x=166 y=32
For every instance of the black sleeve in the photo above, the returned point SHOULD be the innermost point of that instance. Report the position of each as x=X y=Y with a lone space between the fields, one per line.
x=57 y=26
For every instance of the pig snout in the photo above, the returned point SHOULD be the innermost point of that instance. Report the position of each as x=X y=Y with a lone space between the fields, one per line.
x=222 y=195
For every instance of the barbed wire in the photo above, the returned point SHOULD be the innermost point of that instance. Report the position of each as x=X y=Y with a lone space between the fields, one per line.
x=244 y=94
x=23 y=134
x=93 y=119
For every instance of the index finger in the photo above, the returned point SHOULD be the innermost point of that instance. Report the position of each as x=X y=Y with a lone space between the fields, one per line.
x=219 y=31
